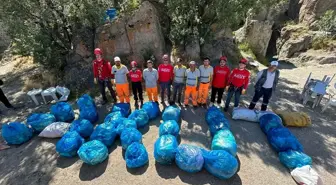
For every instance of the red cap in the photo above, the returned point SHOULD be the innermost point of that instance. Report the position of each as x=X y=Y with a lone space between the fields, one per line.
x=134 y=63
x=98 y=51
x=223 y=58
x=243 y=60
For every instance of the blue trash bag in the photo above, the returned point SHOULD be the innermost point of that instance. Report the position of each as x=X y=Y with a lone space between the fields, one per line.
x=93 y=152
x=136 y=155
x=140 y=117
x=16 y=133
x=216 y=120
x=294 y=159
x=124 y=108
x=63 y=112
x=224 y=140
x=270 y=121
x=282 y=140
x=69 y=144
x=125 y=123
x=171 y=113
x=189 y=158
x=129 y=136
x=152 y=109
x=165 y=149
x=85 y=101
x=113 y=116
x=40 y=121
x=83 y=127
x=169 y=127
x=220 y=163
x=105 y=133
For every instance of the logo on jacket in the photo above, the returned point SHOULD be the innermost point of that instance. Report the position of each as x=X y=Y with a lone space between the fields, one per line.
x=135 y=76
x=165 y=70
x=239 y=76
x=221 y=72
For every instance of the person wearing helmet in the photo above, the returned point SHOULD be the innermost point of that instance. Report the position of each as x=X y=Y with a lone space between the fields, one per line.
x=206 y=71
x=102 y=75
x=192 y=75
x=166 y=74
x=136 y=78
x=178 y=82
x=220 y=79
x=120 y=73
x=237 y=84
x=267 y=81
x=151 y=77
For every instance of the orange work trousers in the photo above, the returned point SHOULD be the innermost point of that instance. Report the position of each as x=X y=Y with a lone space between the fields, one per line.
x=152 y=93
x=123 y=92
x=190 y=90
x=203 y=93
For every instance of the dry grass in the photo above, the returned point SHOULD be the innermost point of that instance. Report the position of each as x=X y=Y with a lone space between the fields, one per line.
x=23 y=62
x=39 y=80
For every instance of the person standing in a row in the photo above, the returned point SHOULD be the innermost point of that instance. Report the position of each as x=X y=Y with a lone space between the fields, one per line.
x=166 y=74
x=192 y=74
x=178 y=82
x=267 y=81
x=205 y=81
x=136 y=78
x=220 y=79
x=151 y=77
x=102 y=75
x=238 y=83
x=120 y=72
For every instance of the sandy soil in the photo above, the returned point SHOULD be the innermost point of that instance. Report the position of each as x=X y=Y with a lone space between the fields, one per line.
x=36 y=161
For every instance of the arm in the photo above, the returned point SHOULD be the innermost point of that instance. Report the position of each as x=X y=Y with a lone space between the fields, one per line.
x=227 y=77
x=172 y=74
x=247 y=80
x=94 y=67
x=158 y=71
x=211 y=76
x=230 y=77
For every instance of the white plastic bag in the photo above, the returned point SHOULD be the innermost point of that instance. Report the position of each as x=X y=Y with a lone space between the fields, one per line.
x=65 y=92
x=305 y=175
x=55 y=130
x=248 y=115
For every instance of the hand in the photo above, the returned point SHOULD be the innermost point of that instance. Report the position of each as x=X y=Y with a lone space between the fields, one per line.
x=95 y=80
x=227 y=88
x=243 y=91
x=112 y=81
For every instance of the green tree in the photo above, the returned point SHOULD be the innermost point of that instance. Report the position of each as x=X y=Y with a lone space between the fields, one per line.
x=327 y=22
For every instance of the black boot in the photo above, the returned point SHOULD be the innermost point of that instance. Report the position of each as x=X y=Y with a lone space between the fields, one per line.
x=136 y=103
x=263 y=107
x=141 y=103
x=252 y=105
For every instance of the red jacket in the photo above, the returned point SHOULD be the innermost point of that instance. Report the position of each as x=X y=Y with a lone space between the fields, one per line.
x=102 y=69
x=221 y=76
x=239 y=78
x=166 y=72
x=136 y=76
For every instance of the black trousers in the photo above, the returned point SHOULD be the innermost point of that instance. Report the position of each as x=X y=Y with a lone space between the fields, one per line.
x=236 y=91
x=137 y=91
x=4 y=99
x=263 y=92
x=102 y=86
x=214 y=92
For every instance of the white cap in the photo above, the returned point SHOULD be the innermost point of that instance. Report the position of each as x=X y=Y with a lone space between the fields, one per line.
x=117 y=59
x=192 y=62
x=274 y=63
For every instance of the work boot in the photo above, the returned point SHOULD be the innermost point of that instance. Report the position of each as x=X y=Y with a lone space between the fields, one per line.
x=226 y=109
x=252 y=105
x=172 y=103
x=136 y=103
x=263 y=107
x=141 y=103
x=157 y=102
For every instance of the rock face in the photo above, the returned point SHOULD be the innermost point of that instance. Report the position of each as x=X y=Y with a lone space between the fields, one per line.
x=313 y=57
x=312 y=9
x=136 y=37
x=4 y=39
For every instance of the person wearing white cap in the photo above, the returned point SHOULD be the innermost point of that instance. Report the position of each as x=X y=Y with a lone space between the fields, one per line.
x=192 y=74
x=120 y=75
x=267 y=81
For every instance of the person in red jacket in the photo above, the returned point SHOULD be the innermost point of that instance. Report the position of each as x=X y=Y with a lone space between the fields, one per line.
x=166 y=74
x=237 y=84
x=136 y=78
x=102 y=75
x=220 y=78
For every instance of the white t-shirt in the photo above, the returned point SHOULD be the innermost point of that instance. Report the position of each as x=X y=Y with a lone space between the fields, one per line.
x=120 y=75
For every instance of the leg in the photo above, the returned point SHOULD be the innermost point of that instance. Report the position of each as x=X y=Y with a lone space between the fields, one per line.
x=255 y=99
x=205 y=93
x=194 y=96
x=168 y=91
x=186 y=95
x=200 y=93
x=220 y=95
x=149 y=94
x=140 y=91
x=155 y=94
x=120 y=93
x=4 y=99
x=102 y=89
x=175 y=89
x=266 y=98
x=162 y=91
x=179 y=92
x=228 y=98
x=213 y=94
x=113 y=94
x=126 y=93
x=237 y=97
x=134 y=90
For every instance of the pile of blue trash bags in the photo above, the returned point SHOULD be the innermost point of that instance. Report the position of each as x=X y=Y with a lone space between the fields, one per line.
x=87 y=108
x=284 y=142
x=220 y=161
x=63 y=112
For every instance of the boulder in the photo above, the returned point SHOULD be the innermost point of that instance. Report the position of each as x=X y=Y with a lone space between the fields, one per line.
x=137 y=37
x=313 y=57
x=311 y=10
x=294 y=45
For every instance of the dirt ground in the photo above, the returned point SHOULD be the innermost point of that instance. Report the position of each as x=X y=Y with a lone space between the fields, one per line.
x=36 y=161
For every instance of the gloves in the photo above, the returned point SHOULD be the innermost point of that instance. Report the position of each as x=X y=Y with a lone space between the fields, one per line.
x=112 y=81
x=227 y=88
x=244 y=91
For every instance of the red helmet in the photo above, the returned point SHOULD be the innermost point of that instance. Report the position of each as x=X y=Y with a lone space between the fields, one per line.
x=134 y=63
x=244 y=61
x=98 y=51
x=223 y=58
